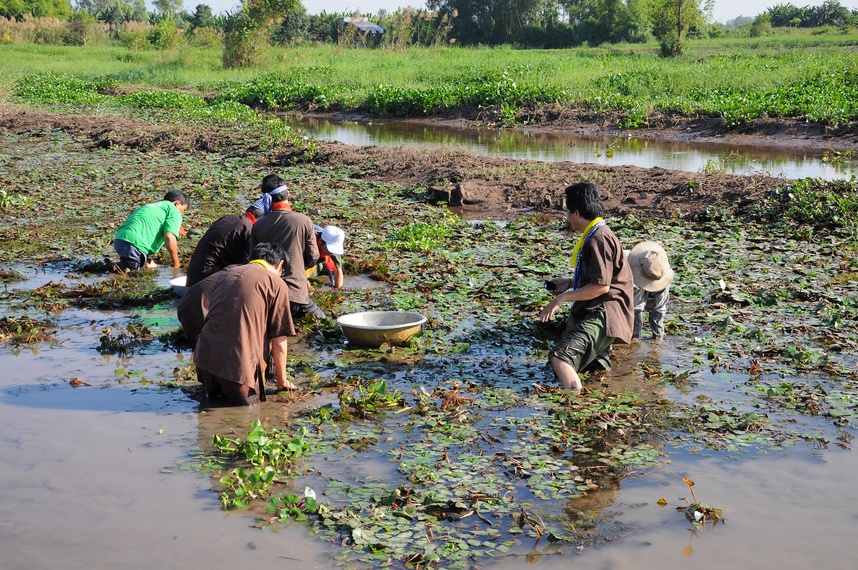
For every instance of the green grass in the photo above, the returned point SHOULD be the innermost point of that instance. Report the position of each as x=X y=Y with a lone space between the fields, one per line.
x=806 y=76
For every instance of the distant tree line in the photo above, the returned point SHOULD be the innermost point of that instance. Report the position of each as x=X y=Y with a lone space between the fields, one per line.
x=829 y=13
x=114 y=12
x=525 y=23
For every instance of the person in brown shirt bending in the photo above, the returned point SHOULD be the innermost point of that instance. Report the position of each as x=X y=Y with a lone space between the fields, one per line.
x=601 y=291
x=294 y=232
x=248 y=315
x=225 y=243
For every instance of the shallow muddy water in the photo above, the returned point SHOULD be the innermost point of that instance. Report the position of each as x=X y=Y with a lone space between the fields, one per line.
x=686 y=156
x=93 y=477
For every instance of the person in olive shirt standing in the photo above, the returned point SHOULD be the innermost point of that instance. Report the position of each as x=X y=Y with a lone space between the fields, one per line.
x=601 y=291
x=147 y=229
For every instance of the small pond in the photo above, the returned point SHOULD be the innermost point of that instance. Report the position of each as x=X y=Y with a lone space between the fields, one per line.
x=101 y=476
x=625 y=150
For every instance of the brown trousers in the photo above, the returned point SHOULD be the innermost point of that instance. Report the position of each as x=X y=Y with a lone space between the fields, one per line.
x=234 y=393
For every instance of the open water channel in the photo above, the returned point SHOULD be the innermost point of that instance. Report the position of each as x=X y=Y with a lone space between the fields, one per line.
x=94 y=477
x=624 y=150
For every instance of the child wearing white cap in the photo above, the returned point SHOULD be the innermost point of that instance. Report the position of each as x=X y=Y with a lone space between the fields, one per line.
x=330 y=241
x=653 y=277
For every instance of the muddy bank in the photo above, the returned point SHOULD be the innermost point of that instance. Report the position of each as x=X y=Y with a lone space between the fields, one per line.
x=477 y=182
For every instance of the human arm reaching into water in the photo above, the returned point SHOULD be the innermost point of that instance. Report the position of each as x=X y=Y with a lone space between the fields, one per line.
x=585 y=293
x=279 y=349
x=172 y=245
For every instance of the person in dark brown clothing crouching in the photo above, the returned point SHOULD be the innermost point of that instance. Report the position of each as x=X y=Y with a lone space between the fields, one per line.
x=248 y=316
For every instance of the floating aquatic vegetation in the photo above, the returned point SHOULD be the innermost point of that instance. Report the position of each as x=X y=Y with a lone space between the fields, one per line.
x=699 y=513
x=11 y=276
x=124 y=341
x=479 y=453
x=24 y=330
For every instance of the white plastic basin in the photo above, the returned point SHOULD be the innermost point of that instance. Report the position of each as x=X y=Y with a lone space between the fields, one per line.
x=178 y=285
x=373 y=328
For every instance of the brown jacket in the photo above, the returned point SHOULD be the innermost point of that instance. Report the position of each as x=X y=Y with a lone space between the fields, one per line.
x=603 y=262
x=294 y=232
x=248 y=307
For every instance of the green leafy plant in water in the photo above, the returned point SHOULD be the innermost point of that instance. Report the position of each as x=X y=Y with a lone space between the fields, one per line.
x=24 y=330
x=245 y=485
x=419 y=236
x=291 y=506
x=161 y=100
x=369 y=398
x=270 y=453
x=10 y=200
x=261 y=447
x=507 y=115
x=124 y=341
x=424 y=236
x=805 y=357
x=699 y=513
x=818 y=204
x=60 y=88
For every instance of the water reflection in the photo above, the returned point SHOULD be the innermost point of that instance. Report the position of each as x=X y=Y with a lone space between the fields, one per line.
x=554 y=147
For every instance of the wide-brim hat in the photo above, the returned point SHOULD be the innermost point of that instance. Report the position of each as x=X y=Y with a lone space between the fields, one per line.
x=650 y=267
x=334 y=238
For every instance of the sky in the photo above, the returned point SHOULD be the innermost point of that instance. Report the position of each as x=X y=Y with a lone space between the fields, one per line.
x=724 y=9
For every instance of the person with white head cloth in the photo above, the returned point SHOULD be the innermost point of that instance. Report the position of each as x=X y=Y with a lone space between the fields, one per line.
x=653 y=276
x=265 y=203
x=294 y=232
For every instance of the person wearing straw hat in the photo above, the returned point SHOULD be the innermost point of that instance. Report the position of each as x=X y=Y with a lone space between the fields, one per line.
x=601 y=292
x=653 y=277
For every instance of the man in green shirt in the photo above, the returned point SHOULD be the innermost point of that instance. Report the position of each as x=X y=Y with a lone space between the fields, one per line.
x=148 y=228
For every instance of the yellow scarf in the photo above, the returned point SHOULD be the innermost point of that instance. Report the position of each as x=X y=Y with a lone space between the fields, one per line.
x=260 y=262
x=576 y=251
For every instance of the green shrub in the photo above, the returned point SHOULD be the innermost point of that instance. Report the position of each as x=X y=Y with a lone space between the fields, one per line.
x=166 y=36
x=161 y=100
x=58 y=88
x=815 y=203
x=206 y=38
x=137 y=40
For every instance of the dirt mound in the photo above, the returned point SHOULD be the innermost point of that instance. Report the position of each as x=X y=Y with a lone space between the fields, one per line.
x=486 y=184
x=497 y=184
x=108 y=131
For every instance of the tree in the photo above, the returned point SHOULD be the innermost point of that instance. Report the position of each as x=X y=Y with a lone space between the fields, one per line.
x=671 y=20
x=490 y=21
x=293 y=27
x=247 y=29
x=115 y=11
x=829 y=13
x=167 y=8
x=17 y=9
x=203 y=17
x=139 y=14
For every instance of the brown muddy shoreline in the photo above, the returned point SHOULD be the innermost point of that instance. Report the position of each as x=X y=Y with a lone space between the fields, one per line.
x=497 y=186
